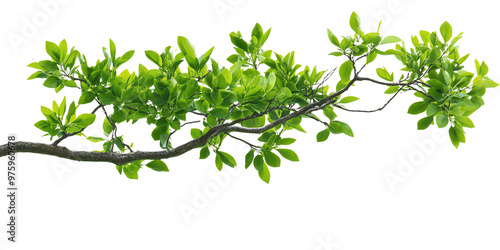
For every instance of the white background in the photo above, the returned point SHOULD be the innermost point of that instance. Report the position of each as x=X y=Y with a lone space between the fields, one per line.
x=336 y=197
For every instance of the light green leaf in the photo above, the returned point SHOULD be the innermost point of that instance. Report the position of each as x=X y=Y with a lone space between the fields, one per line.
x=442 y=120
x=348 y=99
x=446 y=31
x=264 y=173
x=355 y=23
x=288 y=154
x=272 y=159
x=204 y=152
x=391 y=39
x=185 y=46
x=84 y=120
x=345 y=71
x=196 y=133
x=86 y=97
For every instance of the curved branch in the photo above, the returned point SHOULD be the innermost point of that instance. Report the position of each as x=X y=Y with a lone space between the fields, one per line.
x=121 y=159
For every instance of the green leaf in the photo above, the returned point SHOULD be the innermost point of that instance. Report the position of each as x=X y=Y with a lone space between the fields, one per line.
x=264 y=174
x=249 y=158
x=107 y=127
x=433 y=109
x=454 y=136
x=218 y=162
x=442 y=120
x=44 y=126
x=52 y=82
x=272 y=159
x=238 y=42
x=446 y=31
x=158 y=165
x=84 y=120
x=288 y=154
x=465 y=121
x=348 y=99
x=285 y=141
x=123 y=59
x=355 y=23
x=323 y=135
x=112 y=48
x=62 y=107
x=345 y=71
x=196 y=133
x=257 y=31
x=417 y=108
x=53 y=51
x=185 y=46
x=131 y=170
x=392 y=90
x=333 y=38
x=391 y=39
x=219 y=113
x=204 y=58
x=154 y=57
x=434 y=56
x=86 y=97
x=258 y=162
x=70 y=83
x=384 y=74
x=106 y=98
x=204 y=152
x=226 y=158
x=425 y=122
x=95 y=139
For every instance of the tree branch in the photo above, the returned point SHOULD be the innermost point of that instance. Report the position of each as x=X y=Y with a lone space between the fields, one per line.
x=121 y=159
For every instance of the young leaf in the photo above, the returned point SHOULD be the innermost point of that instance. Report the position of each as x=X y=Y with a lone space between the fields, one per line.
x=53 y=51
x=355 y=23
x=84 y=120
x=185 y=46
x=391 y=39
x=348 y=99
x=333 y=38
x=446 y=31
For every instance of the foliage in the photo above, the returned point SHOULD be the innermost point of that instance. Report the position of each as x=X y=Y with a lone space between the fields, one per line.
x=259 y=88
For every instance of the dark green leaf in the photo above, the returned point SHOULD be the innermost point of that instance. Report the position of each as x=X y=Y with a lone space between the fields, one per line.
x=158 y=165
x=322 y=135
x=417 y=108
x=249 y=158
x=204 y=152
x=425 y=122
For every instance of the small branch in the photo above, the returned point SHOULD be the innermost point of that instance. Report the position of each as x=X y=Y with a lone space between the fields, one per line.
x=66 y=135
x=370 y=111
x=248 y=143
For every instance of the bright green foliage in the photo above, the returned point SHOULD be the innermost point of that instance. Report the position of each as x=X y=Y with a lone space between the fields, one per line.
x=257 y=88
